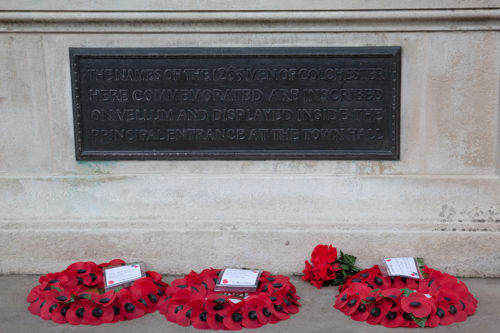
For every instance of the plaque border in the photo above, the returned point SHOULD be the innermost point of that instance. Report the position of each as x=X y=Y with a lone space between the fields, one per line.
x=392 y=52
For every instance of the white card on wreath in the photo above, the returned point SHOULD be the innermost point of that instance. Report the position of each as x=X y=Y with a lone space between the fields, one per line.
x=402 y=266
x=233 y=279
x=122 y=274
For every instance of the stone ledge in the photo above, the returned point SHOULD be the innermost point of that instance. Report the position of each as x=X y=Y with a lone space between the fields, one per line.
x=235 y=22
x=240 y=5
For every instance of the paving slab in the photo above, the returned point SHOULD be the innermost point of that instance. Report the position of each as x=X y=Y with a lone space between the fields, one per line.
x=316 y=313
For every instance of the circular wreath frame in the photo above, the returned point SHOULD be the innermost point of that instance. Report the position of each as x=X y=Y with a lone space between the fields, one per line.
x=192 y=301
x=75 y=296
x=439 y=299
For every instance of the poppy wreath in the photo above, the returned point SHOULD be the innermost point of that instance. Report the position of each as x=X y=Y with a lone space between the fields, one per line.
x=192 y=300
x=439 y=299
x=72 y=296
x=326 y=269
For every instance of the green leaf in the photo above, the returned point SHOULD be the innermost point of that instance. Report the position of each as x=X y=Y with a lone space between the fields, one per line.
x=86 y=296
x=406 y=291
x=58 y=289
x=118 y=289
x=420 y=321
x=374 y=290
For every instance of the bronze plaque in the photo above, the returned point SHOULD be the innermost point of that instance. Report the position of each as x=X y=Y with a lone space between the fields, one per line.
x=236 y=103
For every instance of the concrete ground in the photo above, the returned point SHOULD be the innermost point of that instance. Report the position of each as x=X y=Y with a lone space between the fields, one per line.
x=316 y=314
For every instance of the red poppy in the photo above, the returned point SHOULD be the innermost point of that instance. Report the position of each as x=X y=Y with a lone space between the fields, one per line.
x=38 y=304
x=97 y=314
x=326 y=253
x=392 y=319
x=417 y=304
x=252 y=314
x=234 y=317
x=59 y=314
x=449 y=313
x=217 y=304
x=114 y=262
x=130 y=307
x=75 y=313
x=54 y=279
x=362 y=311
x=379 y=281
x=145 y=292
x=378 y=310
x=48 y=307
x=105 y=299
x=199 y=318
x=36 y=291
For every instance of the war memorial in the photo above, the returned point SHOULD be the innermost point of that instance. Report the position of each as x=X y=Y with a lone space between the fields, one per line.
x=188 y=135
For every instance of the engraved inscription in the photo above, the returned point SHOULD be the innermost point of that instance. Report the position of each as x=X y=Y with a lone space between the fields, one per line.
x=257 y=103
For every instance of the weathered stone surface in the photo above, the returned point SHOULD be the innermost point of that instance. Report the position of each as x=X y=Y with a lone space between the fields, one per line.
x=440 y=201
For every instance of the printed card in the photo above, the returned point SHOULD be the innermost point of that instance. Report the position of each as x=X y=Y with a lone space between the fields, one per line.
x=402 y=266
x=233 y=279
x=116 y=276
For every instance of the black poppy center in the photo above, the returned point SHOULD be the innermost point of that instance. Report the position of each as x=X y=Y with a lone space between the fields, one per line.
x=81 y=271
x=237 y=317
x=218 y=307
x=344 y=298
x=181 y=286
x=220 y=300
x=152 y=298
x=392 y=315
x=361 y=308
x=219 y=318
x=277 y=285
x=415 y=304
x=266 y=312
x=270 y=279
x=143 y=301
x=64 y=310
x=356 y=280
x=378 y=281
x=80 y=312
x=97 y=312
x=52 y=307
x=447 y=298
x=53 y=281
x=364 y=275
x=188 y=313
x=407 y=316
x=351 y=303
x=272 y=298
x=371 y=298
x=104 y=300
x=93 y=277
x=252 y=315
x=116 y=310
x=129 y=307
x=80 y=280
x=375 y=312
x=41 y=305
x=453 y=309
x=440 y=313
x=61 y=298
x=203 y=316
x=179 y=308
x=160 y=293
x=278 y=308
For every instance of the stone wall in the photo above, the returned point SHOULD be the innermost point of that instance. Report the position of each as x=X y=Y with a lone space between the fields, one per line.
x=441 y=201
